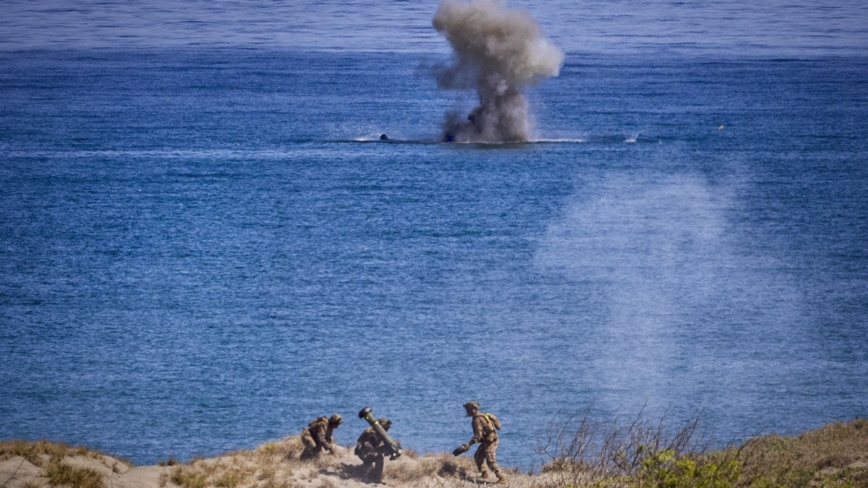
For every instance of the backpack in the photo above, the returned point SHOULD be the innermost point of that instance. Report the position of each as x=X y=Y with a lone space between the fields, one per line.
x=493 y=420
x=318 y=420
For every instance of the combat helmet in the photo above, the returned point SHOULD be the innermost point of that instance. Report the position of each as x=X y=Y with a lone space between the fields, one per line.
x=386 y=423
x=335 y=419
x=471 y=404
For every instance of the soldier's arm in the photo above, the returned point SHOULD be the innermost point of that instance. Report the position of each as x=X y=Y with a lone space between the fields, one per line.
x=330 y=442
x=478 y=431
x=321 y=437
x=362 y=438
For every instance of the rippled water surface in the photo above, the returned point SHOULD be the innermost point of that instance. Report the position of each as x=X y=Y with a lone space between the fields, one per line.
x=771 y=28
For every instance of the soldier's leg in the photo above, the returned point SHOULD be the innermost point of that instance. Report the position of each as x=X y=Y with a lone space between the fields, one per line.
x=479 y=457
x=317 y=449
x=367 y=470
x=491 y=459
x=368 y=457
x=379 y=464
x=310 y=449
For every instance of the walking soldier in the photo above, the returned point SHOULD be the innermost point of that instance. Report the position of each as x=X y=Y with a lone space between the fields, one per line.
x=485 y=427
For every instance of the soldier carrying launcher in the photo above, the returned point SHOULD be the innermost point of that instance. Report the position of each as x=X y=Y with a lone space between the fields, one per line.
x=374 y=444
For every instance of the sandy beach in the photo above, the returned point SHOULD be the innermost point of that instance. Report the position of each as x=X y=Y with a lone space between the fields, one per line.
x=271 y=465
x=833 y=455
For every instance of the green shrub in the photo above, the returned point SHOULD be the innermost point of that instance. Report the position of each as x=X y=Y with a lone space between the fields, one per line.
x=665 y=469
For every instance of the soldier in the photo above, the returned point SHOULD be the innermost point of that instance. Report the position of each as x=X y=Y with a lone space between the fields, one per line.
x=372 y=450
x=317 y=436
x=485 y=427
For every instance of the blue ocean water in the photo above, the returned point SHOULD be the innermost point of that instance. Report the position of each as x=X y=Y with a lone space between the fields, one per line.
x=774 y=28
x=204 y=250
x=203 y=244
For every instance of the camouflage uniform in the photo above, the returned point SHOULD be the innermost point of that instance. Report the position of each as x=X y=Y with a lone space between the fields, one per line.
x=485 y=434
x=372 y=450
x=317 y=436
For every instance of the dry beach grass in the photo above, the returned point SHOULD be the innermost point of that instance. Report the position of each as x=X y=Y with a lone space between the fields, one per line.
x=581 y=453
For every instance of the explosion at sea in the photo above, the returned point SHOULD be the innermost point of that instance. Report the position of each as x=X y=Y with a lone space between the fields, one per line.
x=498 y=52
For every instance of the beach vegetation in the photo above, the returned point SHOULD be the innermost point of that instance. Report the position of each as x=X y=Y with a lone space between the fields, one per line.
x=52 y=458
x=269 y=465
x=836 y=454
x=62 y=474
x=427 y=467
x=578 y=453
x=229 y=479
x=43 y=452
x=639 y=453
x=189 y=478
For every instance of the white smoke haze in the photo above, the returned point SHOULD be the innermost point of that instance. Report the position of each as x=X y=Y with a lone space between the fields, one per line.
x=498 y=52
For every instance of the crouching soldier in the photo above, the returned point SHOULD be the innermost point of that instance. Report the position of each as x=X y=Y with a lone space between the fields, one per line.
x=485 y=427
x=317 y=436
x=372 y=450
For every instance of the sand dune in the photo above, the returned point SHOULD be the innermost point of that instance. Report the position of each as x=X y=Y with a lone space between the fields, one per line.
x=272 y=465
x=833 y=455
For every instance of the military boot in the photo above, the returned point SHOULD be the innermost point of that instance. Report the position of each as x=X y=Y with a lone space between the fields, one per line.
x=502 y=481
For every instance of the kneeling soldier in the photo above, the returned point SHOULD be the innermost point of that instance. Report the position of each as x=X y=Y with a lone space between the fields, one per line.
x=317 y=436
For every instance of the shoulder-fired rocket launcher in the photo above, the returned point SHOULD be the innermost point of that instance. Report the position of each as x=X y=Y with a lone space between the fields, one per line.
x=366 y=414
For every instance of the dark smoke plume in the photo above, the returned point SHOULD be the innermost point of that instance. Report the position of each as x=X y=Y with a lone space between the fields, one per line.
x=498 y=52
